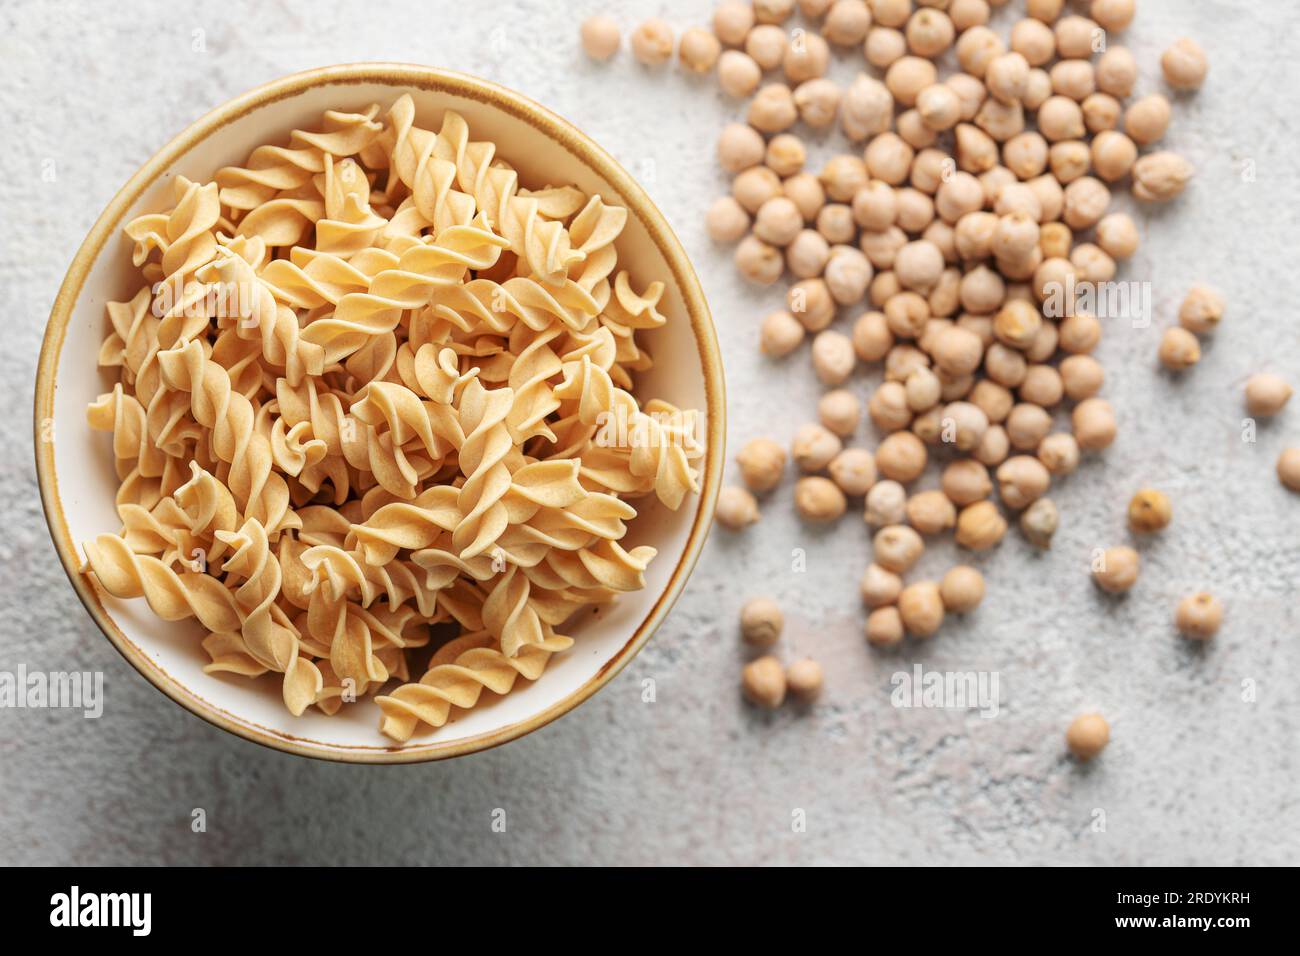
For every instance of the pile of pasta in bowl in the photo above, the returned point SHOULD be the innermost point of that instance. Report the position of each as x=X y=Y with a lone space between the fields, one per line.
x=369 y=384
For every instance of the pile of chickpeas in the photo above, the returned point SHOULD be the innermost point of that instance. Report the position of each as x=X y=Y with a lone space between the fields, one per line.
x=953 y=236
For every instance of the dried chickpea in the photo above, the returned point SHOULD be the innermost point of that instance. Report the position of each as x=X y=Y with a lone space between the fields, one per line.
x=884 y=627
x=884 y=46
x=966 y=481
x=1045 y=10
x=908 y=76
x=1116 y=72
x=766 y=44
x=939 y=107
x=930 y=512
x=755 y=186
x=1288 y=468
x=806 y=58
x=818 y=499
x=888 y=407
x=1087 y=736
x=866 y=108
x=1033 y=40
x=804 y=680
x=993 y=447
x=761 y=622
x=1184 y=64
x=773 y=11
x=886 y=504
x=726 y=220
x=652 y=42
x=1000 y=120
x=1201 y=310
x=1266 y=394
x=1113 y=15
x=1117 y=235
x=921 y=607
x=1027 y=425
x=968 y=13
x=763 y=682
x=1092 y=263
x=1022 y=480
x=785 y=155
x=833 y=357
x=1037 y=89
x=807 y=254
x=739 y=147
x=738 y=74
x=1179 y=349
x=732 y=21
x=818 y=101
x=1039 y=521
x=1081 y=376
x=1080 y=333
x=854 y=471
x=977 y=48
x=805 y=191
x=1075 y=37
x=1113 y=155
x=962 y=589
x=772 y=109
x=835 y=223
x=778 y=221
x=1116 y=571
x=1093 y=422
x=840 y=411
x=1017 y=324
x=809 y=300
x=1101 y=112
x=889 y=157
x=872 y=339
x=600 y=37
x=1199 y=616
x=923 y=390
x=1005 y=365
x=759 y=262
x=781 y=334
x=880 y=587
x=762 y=462
x=1006 y=77
x=846 y=22
x=901 y=456
x=1160 y=177
x=847 y=275
x=980 y=526
x=1146 y=119
x=907 y=314
x=814 y=446
x=1042 y=386
x=897 y=547
x=1061 y=118
x=1075 y=79
x=929 y=32
x=699 y=50
x=736 y=507
x=1149 y=511
x=918 y=265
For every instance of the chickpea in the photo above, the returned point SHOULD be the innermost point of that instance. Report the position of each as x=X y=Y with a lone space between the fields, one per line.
x=977 y=152
x=736 y=508
x=1201 y=310
x=1016 y=325
x=1184 y=64
x=964 y=425
x=755 y=186
x=1113 y=15
x=966 y=481
x=1093 y=421
x=897 y=548
x=1022 y=480
x=761 y=622
x=840 y=411
x=1037 y=89
x=785 y=155
x=738 y=74
x=847 y=274
x=918 y=265
x=818 y=499
x=805 y=191
x=1116 y=72
x=994 y=400
x=814 y=446
x=1288 y=468
x=1006 y=77
x=773 y=11
x=939 y=107
x=1116 y=569
x=974 y=235
x=1005 y=365
x=1075 y=37
x=1199 y=616
x=908 y=76
x=977 y=48
x=1000 y=120
x=1266 y=394
x=807 y=254
x=759 y=262
x=699 y=50
x=1092 y=263
x=872 y=339
x=886 y=504
x=809 y=300
x=1146 y=119
x=1027 y=425
x=880 y=586
x=1042 y=386
x=1039 y=521
x=804 y=680
x=993 y=447
x=1179 y=349
x=1081 y=376
x=778 y=221
x=884 y=627
x=772 y=109
x=766 y=44
x=726 y=220
x=962 y=589
x=732 y=21
x=818 y=102
x=901 y=456
x=1050 y=195
x=1075 y=79
x=1101 y=112
x=740 y=147
x=652 y=42
x=931 y=512
x=1160 y=177
x=921 y=607
x=1045 y=10
x=854 y=471
x=1087 y=736
x=1055 y=240
x=1080 y=333
x=1061 y=118
x=780 y=334
x=866 y=108
x=1149 y=511
x=923 y=390
x=968 y=13
x=912 y=130
x=884 y=46
x=888 y=157
x=846 y=22
x=763 y=682
x=970 y=91
x=762 y=462
x=930 y=32
x=1070 y=159
x=806 y=59
x=980 y=526
x=1033 y=40
x=600 y=37
x=832 y=357
x=1025 y=154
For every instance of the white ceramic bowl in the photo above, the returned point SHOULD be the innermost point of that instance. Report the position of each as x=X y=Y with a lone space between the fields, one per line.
x=75 y=464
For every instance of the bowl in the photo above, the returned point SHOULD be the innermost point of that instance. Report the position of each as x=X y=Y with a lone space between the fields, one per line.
x=75 y=466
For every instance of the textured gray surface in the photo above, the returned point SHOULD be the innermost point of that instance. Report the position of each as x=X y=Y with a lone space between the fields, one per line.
x=1193 y=774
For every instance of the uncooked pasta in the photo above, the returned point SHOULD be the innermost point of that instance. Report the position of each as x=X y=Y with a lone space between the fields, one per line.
x=369 y=384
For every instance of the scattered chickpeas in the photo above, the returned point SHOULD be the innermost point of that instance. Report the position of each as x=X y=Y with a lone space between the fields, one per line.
x=1022 y=480
x=1266 y=394
x=840 y=411
x=804 y=680
x=1087 y=736
x=1199 y=616
x=884 y=626
x=1288 y=468
x=854 y=471
x=1039 y=522
x=600 y=37
x=652 y=42
x=738 y=74
x=814 y=446
x=901 y=456
x=726 y=220
x=962 y=589
x=1201 y=310
x=880 y=586
x=736 y=508
x=740 y=147
x=1179 y=349
x=1117 y=570
x=1094 y=424
x=1184 y=64
x=780 y=334
x=819 y=499
x=833 y=357
x=761 y=622
x=762 y=463
x=920 y=605
x=1149 y=511
x=1160 y=177
x=732 y=21
x=699 y=50
x=931 y=512
x=897 y=547
x=763 y=682
x=980 y=526
x=886 y=504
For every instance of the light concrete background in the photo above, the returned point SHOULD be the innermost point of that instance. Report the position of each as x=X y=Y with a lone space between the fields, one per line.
x=1195 y=773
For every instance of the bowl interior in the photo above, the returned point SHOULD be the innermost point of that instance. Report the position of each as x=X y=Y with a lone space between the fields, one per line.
x=82 y=484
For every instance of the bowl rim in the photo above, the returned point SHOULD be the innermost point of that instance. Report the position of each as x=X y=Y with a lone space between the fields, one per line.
x=567 y=136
